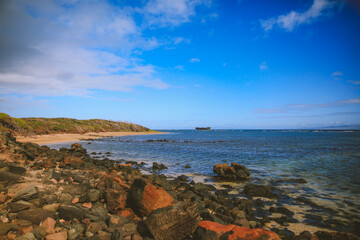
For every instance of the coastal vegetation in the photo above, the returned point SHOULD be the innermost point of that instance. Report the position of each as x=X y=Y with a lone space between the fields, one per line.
x=39 y=126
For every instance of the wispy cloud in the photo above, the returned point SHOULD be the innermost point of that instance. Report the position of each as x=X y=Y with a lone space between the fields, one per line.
x=302 y=107
x=165 y=13
x=336 y=74
x=294 y=19
x=194 y=60
x=354 y=82
x=318 y=115
x=180 y=67
x=263 y=66
x=53 y=49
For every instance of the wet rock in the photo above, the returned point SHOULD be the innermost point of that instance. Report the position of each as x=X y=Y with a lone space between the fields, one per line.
x=18 y=206
x=26 y=194
x=173 y=222
x=284 y=233
x=282 y=210
x=215 y=231
x=156 y=166
x=254 y=190
x=199 y=187
x=322 y=235
x=57 y=236
x=234 y=172
x=291 y=180
x=144 y=197
x=35 y=216
x=68 y=212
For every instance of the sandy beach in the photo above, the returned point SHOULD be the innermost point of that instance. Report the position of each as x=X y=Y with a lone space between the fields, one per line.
x=57 y=138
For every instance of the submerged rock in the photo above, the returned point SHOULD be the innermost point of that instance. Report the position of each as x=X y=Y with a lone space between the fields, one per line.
x=234 y=172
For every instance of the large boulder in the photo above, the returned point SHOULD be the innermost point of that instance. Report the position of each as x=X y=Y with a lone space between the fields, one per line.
x=173 y=222
x=144 y=197
x=233 y=172
x=214 y=231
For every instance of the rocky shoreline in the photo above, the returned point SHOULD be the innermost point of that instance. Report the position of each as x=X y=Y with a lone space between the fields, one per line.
x=67 y=194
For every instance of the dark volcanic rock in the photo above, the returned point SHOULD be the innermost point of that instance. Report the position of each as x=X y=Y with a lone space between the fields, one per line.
x=234 y=172
x=254 y=190
x=68 y=212
x=173 y=222
x=282 y=210
x=35 y=216
x=156 y=166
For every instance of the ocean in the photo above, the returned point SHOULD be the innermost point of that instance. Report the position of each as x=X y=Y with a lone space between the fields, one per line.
x=328 y=160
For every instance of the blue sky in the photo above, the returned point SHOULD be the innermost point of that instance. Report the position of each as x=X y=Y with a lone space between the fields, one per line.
x=173 y=64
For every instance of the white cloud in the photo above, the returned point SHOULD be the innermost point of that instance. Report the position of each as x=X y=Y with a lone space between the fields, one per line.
x=180 y=67
x=293 y=19
x=54 y=48
x=180 y=40
x=354 y=82
x=305 y=107
x=335 y=74
x=171 y=12
x=263 y=66
x=194 y=60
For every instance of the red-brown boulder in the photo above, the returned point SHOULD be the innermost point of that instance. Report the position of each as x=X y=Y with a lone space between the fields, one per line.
x=144 y=197
x=213 y=230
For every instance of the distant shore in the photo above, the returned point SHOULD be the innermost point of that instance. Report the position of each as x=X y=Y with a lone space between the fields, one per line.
x=69 y=137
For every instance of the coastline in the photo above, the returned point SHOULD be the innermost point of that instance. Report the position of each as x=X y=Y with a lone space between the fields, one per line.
x=72 y=137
